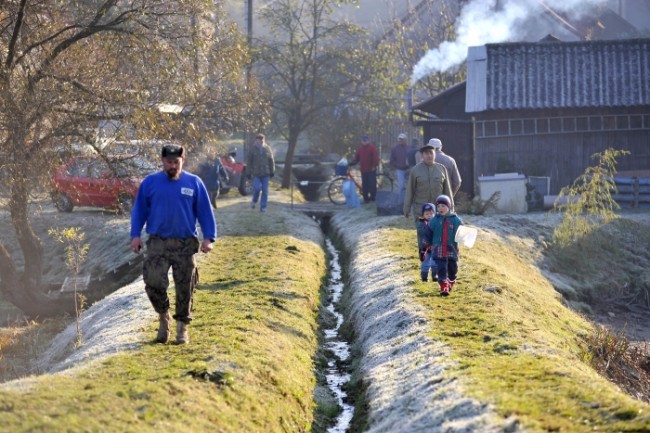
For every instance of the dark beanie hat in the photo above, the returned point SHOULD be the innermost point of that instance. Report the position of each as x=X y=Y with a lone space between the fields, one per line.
x=444 y=200
x=428 y=206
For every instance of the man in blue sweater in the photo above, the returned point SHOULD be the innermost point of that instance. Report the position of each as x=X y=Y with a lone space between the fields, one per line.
x=170 y=202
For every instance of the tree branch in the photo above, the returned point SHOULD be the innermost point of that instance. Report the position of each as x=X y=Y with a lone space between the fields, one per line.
x=15 y=34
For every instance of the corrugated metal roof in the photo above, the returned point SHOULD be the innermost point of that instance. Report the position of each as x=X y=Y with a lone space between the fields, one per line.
x=558 y=75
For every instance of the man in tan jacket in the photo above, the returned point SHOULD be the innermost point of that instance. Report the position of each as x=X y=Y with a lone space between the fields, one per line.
x=427 y=180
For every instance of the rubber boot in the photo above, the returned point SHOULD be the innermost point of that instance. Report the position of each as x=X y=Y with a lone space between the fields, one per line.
x=163 y=329
x=451 y=284
x=444 y=288
x=182 y=336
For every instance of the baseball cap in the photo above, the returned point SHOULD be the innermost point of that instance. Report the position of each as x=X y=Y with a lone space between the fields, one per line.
x=172 y=151
x=402 y=136
x=435 y=143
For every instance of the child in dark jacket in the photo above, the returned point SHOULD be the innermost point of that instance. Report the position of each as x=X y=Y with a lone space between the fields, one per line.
x=444 y=248
x=424 y=247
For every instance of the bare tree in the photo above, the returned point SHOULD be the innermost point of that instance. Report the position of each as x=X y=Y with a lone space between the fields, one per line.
x=315 y=68
x=66 y=65
x=424 y=27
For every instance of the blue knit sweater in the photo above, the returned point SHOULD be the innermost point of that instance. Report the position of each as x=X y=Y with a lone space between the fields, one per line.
x=171 y=208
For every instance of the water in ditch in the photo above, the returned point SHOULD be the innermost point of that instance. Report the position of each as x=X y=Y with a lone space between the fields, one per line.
x=336 y=376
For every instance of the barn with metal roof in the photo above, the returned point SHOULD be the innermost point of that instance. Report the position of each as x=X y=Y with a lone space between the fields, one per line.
x=544 y=108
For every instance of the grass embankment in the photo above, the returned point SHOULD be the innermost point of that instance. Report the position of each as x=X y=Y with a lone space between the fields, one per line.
x=249 y=366
x=515 y=345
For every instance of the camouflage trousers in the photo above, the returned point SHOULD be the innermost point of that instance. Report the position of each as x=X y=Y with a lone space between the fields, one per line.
x=160 y=255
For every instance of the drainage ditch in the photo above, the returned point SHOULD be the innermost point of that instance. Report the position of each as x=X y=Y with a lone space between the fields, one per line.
x=337 y=349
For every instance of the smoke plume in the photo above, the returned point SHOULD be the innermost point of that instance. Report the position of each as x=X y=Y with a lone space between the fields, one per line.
x=490 y=21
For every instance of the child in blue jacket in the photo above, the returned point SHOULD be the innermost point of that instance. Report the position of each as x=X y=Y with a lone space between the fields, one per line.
x=424 y=247
x=444 y=247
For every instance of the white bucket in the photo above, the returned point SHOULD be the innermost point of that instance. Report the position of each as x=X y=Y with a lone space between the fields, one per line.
x=466 y=236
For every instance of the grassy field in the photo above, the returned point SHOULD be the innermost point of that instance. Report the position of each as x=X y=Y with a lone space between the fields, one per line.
x=513 y=342
x=256 y=312
x=253 y=364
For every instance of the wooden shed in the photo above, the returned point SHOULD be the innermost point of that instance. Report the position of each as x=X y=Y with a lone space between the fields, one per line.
x=544 y=108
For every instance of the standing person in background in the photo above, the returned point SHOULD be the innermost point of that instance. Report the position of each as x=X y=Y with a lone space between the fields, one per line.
x=368 y=159
x=260 y=164
x=222 y=178
x=414 y=156
x=450 y=165
x=170 y=202
x=399 y=162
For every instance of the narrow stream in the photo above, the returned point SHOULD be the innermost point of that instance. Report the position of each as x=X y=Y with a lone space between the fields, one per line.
x=336 y=378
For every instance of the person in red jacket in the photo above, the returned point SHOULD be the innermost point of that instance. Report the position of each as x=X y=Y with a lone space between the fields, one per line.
x=368 y=159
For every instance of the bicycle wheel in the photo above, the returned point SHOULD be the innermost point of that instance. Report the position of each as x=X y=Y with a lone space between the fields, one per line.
x=384 y=182
x=335 y=190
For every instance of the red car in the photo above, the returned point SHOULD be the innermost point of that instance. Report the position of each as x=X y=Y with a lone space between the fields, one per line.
x=110 y=183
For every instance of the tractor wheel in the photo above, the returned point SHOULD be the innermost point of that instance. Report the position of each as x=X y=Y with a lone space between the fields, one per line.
x=62 y=202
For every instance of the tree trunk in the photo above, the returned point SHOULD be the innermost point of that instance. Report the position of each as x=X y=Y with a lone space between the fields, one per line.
x=288 y=160
x=26 y=295
x=25 y=290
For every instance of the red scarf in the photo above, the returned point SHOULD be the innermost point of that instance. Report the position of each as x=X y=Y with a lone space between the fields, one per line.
x=445 y=237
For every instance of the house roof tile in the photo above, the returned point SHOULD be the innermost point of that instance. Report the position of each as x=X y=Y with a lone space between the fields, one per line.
x=545 y=75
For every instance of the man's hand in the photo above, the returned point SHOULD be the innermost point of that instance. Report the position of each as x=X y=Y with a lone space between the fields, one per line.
x=136 y=245
x=206 y=246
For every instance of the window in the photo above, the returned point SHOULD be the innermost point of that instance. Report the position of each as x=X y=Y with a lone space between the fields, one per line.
x=595 y=123
x=79 y=168
x=582 y=124
x=97 y=169
x=636 y=122
x=555 y=124
x=490 y=129
x=529 y=126
x=569 y=125
x=503 y=127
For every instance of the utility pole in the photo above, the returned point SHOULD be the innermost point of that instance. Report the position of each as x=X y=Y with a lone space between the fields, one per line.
x=249 y=26
x=249 y=39
x=249 y=13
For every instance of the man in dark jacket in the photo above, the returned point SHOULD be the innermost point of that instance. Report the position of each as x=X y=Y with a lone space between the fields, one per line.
x=260 y=165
